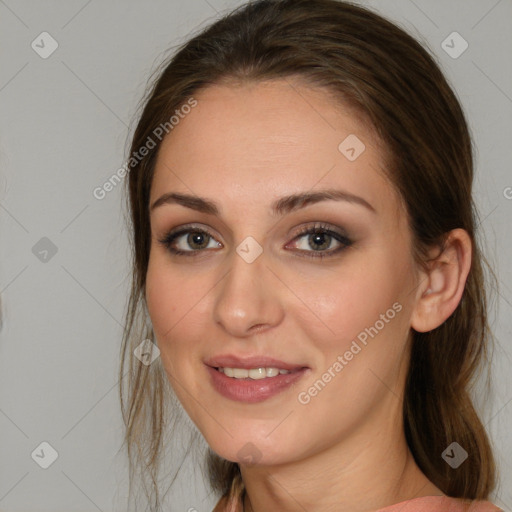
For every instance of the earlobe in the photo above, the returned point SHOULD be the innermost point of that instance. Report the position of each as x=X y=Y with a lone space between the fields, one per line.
x=441 y=288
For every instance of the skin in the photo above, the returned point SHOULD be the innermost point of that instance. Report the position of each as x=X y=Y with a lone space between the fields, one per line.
x=244 y=146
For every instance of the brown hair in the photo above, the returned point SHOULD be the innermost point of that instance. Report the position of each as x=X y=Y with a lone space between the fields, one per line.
x=371 y=65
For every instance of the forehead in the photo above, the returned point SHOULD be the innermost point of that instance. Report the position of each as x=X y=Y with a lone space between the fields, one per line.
x=259 y=141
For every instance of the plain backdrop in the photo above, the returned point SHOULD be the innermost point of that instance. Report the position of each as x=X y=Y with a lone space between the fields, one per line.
x=64 y=273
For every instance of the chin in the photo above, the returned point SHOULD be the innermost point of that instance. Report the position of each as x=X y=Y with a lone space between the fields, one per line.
x=251 y=449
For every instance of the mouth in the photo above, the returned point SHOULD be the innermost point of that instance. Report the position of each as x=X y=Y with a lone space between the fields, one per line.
x=252 y=380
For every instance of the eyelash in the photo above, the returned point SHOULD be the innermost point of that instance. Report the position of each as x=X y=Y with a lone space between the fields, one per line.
x=318 y=228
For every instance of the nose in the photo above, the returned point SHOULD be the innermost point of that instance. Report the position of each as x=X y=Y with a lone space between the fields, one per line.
x=248 y=299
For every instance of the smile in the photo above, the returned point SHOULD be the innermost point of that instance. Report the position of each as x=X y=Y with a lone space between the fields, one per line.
x=252 y=373
x=242 y=387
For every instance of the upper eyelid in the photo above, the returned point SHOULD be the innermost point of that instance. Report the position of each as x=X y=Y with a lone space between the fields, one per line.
x=341 y=237
x=325 y=226
x=188 y=229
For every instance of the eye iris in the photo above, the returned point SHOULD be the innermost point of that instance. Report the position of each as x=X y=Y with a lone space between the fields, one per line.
x=319 y=238
x=197 y=239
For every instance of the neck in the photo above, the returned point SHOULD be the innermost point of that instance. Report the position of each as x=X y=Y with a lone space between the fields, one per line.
x=370 y=469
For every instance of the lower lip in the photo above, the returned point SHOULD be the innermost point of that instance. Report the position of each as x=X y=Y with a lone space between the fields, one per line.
x=253 y=390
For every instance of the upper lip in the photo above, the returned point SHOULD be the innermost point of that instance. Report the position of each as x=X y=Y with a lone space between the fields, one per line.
x=232 y=361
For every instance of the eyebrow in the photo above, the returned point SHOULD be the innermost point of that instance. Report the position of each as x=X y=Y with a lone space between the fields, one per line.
x=281 y=206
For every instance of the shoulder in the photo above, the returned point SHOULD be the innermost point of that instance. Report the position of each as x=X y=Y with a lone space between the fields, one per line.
x=442 y=504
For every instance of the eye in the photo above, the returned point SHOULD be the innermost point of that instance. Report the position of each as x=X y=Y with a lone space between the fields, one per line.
x=191 y=240
x=187 y=241
x=319 y=238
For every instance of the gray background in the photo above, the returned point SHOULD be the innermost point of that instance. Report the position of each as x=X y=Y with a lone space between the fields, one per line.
x=64 y=124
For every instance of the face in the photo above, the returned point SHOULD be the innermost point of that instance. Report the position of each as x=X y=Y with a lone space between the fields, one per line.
x=320 y=287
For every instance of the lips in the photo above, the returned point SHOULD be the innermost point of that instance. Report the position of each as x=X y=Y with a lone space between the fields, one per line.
x=246 y=389
x=232 y=361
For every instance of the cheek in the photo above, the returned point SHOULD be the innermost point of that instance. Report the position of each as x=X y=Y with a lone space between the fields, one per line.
x=176 y=301
x=160 y=298
x=171 y=309
x=170 y=294
x=335 y=307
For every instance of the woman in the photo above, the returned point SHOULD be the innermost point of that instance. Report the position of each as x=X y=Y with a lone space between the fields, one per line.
x=306 y=262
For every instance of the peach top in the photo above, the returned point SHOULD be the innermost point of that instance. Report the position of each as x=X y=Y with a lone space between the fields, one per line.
x=422 y=504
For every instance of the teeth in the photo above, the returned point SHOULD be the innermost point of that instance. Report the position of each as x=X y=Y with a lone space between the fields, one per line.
x=253 y=373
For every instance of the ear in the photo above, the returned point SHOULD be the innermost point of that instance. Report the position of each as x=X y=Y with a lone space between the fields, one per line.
x=440 y=289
